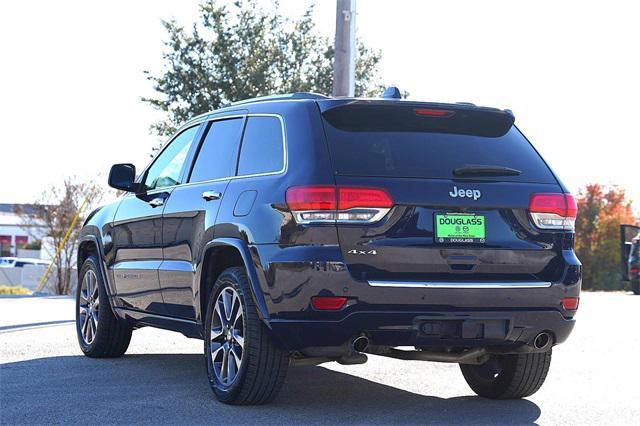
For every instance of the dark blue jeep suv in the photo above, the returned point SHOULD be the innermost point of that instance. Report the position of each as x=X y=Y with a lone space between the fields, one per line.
x=302 y=229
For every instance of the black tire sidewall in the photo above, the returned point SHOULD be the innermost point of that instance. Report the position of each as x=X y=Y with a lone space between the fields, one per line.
x=492 y=388
x=228 y=278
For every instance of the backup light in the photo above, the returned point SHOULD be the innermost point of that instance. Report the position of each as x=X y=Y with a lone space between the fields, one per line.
x=553 y=211
x=338 y=204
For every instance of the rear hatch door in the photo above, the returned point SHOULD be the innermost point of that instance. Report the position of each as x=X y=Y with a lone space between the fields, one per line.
x=461 y=179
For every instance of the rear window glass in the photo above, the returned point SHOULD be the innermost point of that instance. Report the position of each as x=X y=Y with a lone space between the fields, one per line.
x=399 y=146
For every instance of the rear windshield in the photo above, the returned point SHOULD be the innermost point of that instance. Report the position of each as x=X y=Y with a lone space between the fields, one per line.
x=387 y=144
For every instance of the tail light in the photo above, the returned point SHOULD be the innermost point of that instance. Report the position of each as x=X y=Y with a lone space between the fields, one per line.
x=553 y=211
x=634 y=270
x=338 y=204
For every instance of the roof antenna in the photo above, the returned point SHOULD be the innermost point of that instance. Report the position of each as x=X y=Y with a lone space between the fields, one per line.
x=392 y=92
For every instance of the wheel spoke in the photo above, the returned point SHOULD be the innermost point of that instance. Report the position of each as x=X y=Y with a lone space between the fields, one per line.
x=216 y=333
x=237 y=359
x=218 y=311
x=93 y=325
x=227 y=301
x=238 y=338
x=215 y=350
x=87 y=281
x=94 y=286
x=231 y=366
x=225 y=363
x=85 y=325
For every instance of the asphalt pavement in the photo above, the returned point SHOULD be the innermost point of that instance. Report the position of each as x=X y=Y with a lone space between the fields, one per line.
x=44 y=379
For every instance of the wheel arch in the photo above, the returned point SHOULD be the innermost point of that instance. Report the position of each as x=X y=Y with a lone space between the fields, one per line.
x=220 y=254
x=88 y=245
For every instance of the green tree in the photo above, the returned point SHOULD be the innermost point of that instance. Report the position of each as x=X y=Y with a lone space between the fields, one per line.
x=239 y=50
x=601 y=210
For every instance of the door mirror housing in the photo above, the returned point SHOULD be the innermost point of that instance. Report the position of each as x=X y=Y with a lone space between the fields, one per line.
x=122 y=177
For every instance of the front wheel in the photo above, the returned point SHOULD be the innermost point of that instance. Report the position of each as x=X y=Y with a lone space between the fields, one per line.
x=508 y=376
x=244 y=365
x=100 y=333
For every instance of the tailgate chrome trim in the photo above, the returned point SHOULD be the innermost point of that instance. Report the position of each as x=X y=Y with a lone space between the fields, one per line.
x=463 y=284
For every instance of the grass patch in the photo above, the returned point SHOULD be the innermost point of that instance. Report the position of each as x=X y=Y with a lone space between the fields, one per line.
x=13 y=290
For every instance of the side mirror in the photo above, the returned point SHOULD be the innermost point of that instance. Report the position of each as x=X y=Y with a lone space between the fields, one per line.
x=122 y=177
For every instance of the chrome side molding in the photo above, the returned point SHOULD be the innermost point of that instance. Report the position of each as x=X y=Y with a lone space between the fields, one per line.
x=461 y=284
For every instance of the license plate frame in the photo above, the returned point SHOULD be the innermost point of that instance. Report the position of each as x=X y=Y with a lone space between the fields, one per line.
x=459 y=228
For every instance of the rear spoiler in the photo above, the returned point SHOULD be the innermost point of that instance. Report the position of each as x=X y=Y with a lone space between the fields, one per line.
x=357 y=115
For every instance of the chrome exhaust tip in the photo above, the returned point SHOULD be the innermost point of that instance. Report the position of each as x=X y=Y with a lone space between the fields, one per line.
x=360 y=344
x=542 y=340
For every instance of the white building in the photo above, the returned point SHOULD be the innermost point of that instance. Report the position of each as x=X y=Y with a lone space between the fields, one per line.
x=14 y=235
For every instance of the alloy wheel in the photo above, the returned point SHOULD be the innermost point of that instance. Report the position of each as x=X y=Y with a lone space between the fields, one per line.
x=89 y=307
x=227 y=336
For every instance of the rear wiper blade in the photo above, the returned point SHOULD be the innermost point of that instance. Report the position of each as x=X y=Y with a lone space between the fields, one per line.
x=482 y=170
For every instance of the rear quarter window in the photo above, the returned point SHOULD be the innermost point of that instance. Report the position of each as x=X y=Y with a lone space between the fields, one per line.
x=262 y=148
x=398 y=145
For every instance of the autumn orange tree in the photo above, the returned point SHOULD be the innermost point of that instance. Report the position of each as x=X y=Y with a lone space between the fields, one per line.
x=601 y=210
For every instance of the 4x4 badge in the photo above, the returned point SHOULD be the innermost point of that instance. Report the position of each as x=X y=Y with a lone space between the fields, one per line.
x=363 y=252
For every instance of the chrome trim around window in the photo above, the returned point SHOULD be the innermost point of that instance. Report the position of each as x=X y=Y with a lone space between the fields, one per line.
x=283 y=170
x=461 y=284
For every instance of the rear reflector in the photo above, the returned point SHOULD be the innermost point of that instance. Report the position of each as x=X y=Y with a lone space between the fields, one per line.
x=570 y=303
x=331 y=204
x=553 y=211
x=328 y=303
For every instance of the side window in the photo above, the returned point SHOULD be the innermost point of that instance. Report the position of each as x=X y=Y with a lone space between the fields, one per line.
x=262 y=147
x=219 y=152
x=165 y=170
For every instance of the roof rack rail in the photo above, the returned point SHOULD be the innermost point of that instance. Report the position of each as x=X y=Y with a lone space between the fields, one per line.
x=284 y=96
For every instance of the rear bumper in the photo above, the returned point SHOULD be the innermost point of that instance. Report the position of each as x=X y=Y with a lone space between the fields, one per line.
x=505 y=331
x=394 y=313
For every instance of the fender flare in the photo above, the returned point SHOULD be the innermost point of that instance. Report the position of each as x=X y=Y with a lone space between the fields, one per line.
x=101 y=265
x=245 y=254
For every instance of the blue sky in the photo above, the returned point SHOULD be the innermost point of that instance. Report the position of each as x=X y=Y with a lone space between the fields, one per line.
x=569 y=71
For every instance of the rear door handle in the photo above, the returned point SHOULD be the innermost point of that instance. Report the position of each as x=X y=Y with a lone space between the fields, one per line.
x=156 y=202
x=211 y=195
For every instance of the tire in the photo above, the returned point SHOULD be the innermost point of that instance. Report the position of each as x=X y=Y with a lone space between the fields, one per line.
x=106 y=336
x=635 y=286
x=262 y=366
x=508 y=376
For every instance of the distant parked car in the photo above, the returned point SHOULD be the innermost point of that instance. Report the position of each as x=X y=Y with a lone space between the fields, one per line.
x=634 y=265
x=19 y=262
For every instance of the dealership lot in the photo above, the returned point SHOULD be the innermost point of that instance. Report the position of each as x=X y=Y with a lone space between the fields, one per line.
x=44 y=378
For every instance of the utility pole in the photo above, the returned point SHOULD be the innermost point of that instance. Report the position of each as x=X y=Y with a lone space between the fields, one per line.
x=344 y=62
